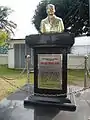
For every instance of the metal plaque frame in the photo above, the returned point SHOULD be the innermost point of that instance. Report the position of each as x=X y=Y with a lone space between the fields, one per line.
x=54 y=50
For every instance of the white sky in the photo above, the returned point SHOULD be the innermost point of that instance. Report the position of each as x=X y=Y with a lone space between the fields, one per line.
x=22 y=15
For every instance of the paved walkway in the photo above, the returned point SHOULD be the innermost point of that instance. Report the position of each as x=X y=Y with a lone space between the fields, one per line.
x=12 y=108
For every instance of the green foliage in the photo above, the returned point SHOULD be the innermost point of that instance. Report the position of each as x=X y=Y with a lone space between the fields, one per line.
x=3 y=37
x=75 y=14
x=3 y=49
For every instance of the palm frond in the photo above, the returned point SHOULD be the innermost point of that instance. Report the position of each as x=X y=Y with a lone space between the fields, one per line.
x=5 y=24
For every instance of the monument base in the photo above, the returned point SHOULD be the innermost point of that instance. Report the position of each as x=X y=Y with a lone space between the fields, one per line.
x=43 y=101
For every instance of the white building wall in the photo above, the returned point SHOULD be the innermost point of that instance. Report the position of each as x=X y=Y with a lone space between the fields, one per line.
x=11 y=58
x=75 y=62
x=89 y=61
x=3 y=59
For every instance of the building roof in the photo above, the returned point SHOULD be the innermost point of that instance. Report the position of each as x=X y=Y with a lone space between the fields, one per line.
x=18 y=39
x=84 y=40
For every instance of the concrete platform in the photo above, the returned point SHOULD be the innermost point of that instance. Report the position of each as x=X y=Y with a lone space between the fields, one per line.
x=12 y=108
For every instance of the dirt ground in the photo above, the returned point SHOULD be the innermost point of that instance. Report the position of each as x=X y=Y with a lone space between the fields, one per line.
x=5 y=88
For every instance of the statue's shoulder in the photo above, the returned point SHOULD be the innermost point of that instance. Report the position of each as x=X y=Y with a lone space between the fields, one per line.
x=44 y=20
x=58 y=18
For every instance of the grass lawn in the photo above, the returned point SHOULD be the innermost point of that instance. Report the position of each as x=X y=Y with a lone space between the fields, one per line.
x=75 y=77
x=6 y=88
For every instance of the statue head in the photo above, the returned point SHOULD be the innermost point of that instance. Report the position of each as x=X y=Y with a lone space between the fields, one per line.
x=50 y=9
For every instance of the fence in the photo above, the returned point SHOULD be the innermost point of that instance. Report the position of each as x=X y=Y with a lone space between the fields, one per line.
x=3 y=55
x=3 y=59
x=73 y=61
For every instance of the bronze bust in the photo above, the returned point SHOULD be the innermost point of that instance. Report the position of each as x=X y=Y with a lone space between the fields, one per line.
x=51 y=23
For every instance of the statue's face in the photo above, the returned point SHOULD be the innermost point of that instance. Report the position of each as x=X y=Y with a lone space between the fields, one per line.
x=50 y=11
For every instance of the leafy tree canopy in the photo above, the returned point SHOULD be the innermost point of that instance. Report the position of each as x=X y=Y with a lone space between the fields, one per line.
x=3 y=37
x=6 y=26
x=75 y=14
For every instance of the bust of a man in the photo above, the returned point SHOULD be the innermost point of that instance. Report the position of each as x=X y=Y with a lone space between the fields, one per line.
x=51 y=23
